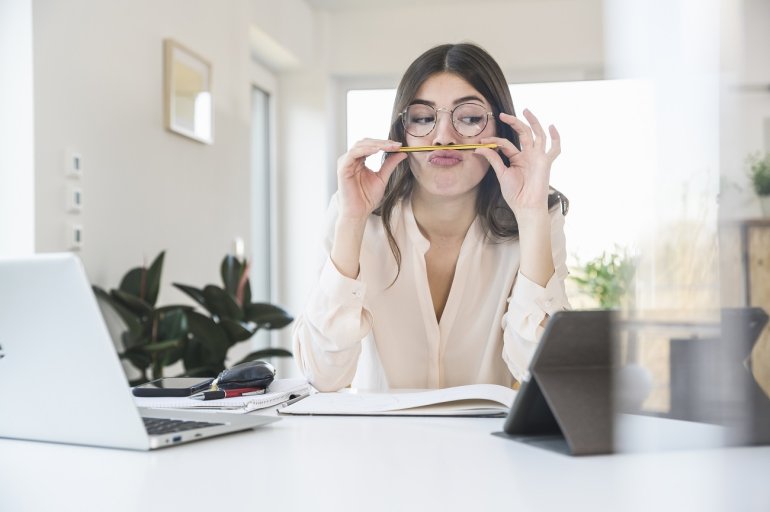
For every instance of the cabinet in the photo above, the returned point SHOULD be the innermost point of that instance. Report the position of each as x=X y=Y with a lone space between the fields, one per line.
x=745 y=280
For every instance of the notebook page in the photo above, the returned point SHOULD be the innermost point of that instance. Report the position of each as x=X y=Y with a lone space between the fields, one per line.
x=490 y=397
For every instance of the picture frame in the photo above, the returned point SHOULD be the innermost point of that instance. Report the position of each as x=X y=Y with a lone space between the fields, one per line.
x=188 y=99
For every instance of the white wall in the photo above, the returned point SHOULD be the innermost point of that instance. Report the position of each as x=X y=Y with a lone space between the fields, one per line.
x=99 y=91
x=17 y=199
x=528 y=38
x=746 y=101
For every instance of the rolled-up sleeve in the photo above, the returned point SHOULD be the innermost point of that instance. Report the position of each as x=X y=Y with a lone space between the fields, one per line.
x=327 y=335
x=529 y=304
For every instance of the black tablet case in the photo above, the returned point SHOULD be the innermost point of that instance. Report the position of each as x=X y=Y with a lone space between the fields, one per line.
x=566 y=405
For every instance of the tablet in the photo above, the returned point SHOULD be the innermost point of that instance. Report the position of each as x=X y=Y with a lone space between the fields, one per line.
x=565 y=402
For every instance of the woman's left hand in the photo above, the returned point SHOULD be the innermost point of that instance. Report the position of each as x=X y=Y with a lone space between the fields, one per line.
x=524 y=183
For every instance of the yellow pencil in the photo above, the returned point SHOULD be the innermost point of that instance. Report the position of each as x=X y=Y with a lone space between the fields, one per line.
x=411 y=149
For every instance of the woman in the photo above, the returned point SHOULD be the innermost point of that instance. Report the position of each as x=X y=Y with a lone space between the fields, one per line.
x=444 y=266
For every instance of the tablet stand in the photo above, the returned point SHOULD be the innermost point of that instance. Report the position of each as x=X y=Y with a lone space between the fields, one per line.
x=567 y=403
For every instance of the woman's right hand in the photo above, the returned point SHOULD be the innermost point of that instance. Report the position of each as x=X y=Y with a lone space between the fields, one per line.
x=360 y=188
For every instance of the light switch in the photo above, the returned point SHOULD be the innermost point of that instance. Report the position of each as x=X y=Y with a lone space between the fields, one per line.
x=73 y=164
x=74 y=199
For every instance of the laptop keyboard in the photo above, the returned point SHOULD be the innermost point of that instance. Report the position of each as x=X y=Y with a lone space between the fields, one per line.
x=156 y=426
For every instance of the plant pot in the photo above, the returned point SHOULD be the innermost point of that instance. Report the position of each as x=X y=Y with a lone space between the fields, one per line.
x=764 y=203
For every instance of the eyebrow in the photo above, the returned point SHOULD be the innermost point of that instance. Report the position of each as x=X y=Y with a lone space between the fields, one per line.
x=464 y=99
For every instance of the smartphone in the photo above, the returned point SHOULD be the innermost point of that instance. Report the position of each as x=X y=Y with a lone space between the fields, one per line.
x=173 y=386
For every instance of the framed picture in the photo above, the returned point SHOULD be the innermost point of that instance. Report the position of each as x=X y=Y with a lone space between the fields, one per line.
x=189 y=105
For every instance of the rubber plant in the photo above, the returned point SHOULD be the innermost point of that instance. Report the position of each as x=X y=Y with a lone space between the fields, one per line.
x=155 y=336
x=232 y=318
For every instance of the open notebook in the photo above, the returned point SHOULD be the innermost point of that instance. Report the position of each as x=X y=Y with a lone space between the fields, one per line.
x=470 y=400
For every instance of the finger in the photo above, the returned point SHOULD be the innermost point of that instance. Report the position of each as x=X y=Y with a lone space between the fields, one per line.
x=355 y=160
x=504 y=145
x=536 y=127
x=555 y=143
x=376 y=142
x=494 y=160
x=362 y=150
x=380 y=144
x=525 y=133
x=389 y=165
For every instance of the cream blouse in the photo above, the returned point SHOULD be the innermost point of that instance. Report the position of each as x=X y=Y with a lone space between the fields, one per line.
x=375 y=336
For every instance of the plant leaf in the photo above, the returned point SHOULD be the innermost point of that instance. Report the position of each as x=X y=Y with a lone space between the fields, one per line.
x=133 y=303
x=267 y=316
x=161 y=345
x=201 y=371
x=230 y=271
x=132 y=282
x=175 y=354
x=265 y=353
x=221 y=303
x=256 y=309
x=132 y=320
x=205 y=328
x=197 y=355
x=195 y=294
x=237 y=331
x=247 y=292
x=208 y=343
x=136 y=339
x=139 y=358
x=152 y=284
x=171 y=323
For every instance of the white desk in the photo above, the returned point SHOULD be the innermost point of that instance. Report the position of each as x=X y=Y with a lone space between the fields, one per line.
x=372 y=464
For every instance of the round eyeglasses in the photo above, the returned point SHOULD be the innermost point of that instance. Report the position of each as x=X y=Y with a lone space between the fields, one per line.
x=468 y=119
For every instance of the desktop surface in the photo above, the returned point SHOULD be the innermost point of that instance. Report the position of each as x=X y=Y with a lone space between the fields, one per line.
x=378 y=463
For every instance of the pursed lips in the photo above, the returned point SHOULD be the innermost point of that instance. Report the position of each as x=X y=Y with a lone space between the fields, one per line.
x=445 y=158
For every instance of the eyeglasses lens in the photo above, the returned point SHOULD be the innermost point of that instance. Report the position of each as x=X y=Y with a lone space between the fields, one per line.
x=468 y=119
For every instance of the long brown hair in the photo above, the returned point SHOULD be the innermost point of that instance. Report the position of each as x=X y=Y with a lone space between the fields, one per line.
x=474 y=65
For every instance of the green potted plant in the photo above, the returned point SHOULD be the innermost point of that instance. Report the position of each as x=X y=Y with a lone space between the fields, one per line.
x=608 y=278
x=154 y=337
x=232 y=318
x=759 y=172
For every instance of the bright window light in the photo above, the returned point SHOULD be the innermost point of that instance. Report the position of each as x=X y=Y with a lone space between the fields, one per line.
x=608 y=152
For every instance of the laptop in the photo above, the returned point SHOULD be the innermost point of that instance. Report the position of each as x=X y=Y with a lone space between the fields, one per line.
x=60 y=376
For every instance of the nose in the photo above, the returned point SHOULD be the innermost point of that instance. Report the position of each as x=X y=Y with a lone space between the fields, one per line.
x=444 y=133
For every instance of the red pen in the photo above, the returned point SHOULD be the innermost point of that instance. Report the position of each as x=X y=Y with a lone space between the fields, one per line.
x=226 y=393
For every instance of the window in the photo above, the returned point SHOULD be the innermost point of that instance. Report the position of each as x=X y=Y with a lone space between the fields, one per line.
x=601 y=169
x=260 y=249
